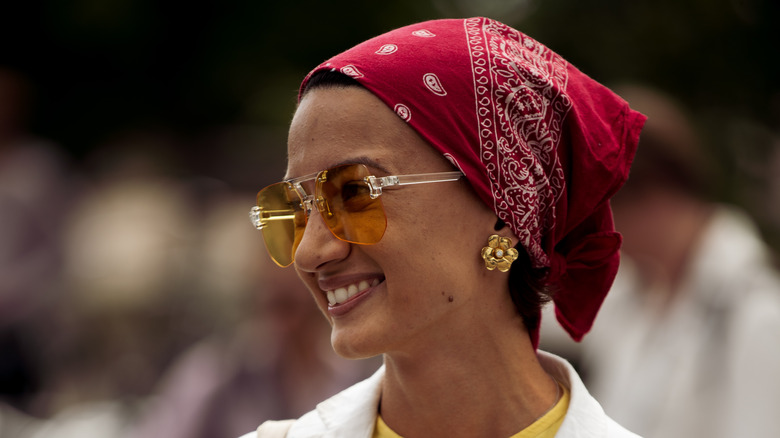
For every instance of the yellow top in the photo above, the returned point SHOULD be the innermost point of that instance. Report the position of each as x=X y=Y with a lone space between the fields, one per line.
x=545 y=427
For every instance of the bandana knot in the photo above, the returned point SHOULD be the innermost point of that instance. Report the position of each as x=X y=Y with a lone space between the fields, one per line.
x=593 y=261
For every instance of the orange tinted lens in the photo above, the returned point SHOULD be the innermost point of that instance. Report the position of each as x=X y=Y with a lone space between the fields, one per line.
x=281 y=214
x=346 y=205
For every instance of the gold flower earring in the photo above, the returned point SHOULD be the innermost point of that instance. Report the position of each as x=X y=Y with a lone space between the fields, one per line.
x=499 y=253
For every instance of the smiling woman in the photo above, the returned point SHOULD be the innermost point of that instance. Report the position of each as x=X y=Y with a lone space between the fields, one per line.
x=414 y=258
x=402 y=264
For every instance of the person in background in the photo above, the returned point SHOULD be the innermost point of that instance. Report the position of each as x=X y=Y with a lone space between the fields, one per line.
x=444 y=181
x=37 y=187
x=687 y=341
x=275 y=364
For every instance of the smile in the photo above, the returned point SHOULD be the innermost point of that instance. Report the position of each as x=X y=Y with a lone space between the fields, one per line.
x=343 y=294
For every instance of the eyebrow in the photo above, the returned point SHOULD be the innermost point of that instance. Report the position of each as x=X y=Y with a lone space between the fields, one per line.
x=365 y=161
x=357 y=160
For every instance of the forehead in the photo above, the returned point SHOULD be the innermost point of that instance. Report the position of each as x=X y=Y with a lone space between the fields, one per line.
x=349 y=124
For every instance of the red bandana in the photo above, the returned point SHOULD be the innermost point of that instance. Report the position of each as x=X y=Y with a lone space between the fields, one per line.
x=541 y=143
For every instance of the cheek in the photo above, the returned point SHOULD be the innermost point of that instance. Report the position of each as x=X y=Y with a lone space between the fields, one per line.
x=431 y=258
x=435 y=237
x=439 y=229
x=319 y=298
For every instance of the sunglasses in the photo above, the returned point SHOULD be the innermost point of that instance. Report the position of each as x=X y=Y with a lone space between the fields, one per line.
x=347 y=197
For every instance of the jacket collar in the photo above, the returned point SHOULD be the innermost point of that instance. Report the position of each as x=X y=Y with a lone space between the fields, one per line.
x=353 y=411
x=585 y=418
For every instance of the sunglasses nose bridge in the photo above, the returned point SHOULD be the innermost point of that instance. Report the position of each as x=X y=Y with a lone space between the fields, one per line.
x=305 y=198
x=323 y=206
x=307 y=205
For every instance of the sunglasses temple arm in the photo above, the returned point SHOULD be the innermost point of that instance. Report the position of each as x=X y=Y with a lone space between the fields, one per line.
x=376 y=184
x=259 y=217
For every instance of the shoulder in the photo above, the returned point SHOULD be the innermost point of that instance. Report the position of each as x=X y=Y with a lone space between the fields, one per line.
x=351 y=412
x=585 y=417
x=307 y=425
x=615 y=430
x=271 y=429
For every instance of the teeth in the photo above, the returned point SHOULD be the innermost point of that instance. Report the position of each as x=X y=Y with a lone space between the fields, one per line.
x=342 y=294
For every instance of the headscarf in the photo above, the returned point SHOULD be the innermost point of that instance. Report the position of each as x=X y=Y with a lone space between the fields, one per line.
x=540 y=142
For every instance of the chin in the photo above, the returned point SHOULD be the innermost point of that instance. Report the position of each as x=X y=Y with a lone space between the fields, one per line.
x=350 y=347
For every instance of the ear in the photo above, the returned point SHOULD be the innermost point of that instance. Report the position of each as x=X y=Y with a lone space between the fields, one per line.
x=503 y=230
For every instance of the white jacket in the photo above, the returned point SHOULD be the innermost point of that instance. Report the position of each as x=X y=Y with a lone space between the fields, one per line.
x=352 y=413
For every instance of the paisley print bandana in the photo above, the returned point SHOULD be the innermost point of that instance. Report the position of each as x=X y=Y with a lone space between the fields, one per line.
x=541 y=143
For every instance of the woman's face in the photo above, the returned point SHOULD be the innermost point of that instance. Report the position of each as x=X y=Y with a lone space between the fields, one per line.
x=424 y=282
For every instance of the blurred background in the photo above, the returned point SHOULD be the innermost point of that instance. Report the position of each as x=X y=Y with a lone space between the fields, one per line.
x=136 y=298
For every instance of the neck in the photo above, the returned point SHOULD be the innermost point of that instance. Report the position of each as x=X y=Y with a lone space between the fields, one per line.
x=495 y=389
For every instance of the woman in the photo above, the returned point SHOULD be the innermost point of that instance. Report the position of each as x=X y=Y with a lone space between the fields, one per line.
x=417 y=161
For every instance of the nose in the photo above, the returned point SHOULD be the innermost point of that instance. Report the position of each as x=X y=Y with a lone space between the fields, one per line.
x=318 y=245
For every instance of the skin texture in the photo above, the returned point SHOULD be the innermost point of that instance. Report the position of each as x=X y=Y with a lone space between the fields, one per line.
x=459 y=360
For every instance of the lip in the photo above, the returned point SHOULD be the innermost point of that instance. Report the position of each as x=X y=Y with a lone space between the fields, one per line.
x=339 y=310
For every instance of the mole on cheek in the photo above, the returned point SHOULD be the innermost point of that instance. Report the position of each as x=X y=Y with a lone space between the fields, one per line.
x=451 y=298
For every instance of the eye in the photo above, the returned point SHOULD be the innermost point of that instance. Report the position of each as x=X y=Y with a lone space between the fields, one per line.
x=353 y=189
x=355 y=195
